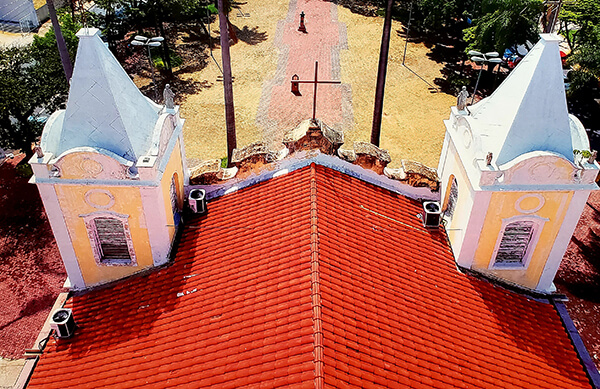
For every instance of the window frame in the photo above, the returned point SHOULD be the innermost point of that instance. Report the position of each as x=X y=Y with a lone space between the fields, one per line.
x=90 y=224
x=452 y=200
x=537 y=226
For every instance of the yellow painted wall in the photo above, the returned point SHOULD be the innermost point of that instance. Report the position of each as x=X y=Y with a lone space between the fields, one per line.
x=127 y=201
x=502 y=206
x=462 y=211
x=174 y=165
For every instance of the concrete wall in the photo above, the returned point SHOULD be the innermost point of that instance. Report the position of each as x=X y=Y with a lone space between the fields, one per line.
x=42 y=12
x=16 y=11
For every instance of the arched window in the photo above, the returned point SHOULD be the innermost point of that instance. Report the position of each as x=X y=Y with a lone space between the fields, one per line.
x=452 y=198
x=517 y=241
x=173 y=193
x=110 y=238
x=514 y=243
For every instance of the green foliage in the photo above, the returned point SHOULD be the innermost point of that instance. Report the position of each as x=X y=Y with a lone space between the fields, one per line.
x=584 y=41
x=438 y=14
x=173 y=57
x=32 y=80
x=585 y=14
x=504 y=23
x=224 y=162
x=24 y=170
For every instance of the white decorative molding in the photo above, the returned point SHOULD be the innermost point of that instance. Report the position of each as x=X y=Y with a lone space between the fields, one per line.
x=539 y=197
x=91 y=163
x=109 y=203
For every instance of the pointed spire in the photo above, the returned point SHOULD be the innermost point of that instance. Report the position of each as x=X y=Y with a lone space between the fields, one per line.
x=528 y=111
x=105 y=108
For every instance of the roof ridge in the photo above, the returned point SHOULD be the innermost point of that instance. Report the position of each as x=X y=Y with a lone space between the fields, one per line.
x=315 y=282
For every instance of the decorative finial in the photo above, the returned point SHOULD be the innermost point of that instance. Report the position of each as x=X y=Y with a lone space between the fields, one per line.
x=38 y=150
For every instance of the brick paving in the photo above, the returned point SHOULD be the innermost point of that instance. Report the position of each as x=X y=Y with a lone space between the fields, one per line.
x=280 y=110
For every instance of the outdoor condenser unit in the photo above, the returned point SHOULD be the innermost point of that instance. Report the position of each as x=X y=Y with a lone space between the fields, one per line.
x=432 y=213
x=197 y=200
x=63 y=323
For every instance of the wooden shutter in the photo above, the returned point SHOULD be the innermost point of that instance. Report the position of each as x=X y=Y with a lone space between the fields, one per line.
x=111 y=239
x=514 y=243
x=452 y=197
x=173 y=194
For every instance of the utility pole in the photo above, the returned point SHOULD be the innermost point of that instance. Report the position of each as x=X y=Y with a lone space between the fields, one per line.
x=383 y=59
x=227 y=84
x=60 y=42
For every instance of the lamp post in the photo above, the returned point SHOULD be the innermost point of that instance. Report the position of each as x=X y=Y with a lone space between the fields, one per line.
x=139 y=40
x=491 y=57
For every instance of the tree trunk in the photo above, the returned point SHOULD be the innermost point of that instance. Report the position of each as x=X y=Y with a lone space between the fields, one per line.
x=60 y=42
x=227 y=85
x=383 y=59
x=165 y=51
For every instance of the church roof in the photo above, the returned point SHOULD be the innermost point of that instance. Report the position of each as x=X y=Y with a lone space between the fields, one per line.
x=105 y=108
x=528 y=111
x=307 y=279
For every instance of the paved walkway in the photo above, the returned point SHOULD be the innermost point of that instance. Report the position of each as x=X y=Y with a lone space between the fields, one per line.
x=280 y=110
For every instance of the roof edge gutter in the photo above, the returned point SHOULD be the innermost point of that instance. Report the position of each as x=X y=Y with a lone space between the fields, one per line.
x=582 y=352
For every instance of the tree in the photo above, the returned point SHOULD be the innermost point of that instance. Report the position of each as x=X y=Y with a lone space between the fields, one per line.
x=580 y=24
x=584 y=15
x=503 y=24
x=31 y=82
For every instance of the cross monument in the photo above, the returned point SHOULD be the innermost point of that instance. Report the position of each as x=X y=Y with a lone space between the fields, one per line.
x=316 y=81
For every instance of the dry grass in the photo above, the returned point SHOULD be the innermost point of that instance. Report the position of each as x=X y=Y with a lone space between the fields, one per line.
x=205 y=135
x=412 y=125
x=37 y=4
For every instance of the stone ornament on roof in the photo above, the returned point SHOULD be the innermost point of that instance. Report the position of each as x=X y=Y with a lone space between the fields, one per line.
x=168 y=97
x=313 y=134
x=461 y=99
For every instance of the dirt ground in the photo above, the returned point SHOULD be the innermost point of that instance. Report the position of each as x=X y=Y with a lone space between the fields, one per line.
x=579 y=277
x=412 y=126
x=31 y=270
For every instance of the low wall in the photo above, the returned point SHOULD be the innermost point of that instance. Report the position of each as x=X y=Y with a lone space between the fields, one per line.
x=42 y=12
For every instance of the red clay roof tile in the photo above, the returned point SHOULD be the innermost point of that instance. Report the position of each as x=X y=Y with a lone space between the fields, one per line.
x=384 y=291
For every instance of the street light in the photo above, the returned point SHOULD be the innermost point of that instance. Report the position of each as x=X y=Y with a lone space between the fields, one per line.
x=491 y=57
x=139 y=40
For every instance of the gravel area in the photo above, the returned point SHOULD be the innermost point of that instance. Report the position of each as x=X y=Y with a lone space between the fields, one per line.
x=31 y=270
x=579 y=277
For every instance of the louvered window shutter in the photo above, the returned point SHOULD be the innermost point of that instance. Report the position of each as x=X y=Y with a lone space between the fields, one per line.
x=111 y=238
x=453 y=196
x=514 y=243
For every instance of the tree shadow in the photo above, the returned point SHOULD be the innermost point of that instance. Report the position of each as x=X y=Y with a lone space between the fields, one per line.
x=251 y=36
x=182 y=89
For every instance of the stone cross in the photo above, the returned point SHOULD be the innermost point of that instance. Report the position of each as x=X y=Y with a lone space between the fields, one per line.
x=316 y=81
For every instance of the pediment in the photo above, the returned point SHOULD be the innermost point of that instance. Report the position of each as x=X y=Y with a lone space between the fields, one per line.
x=91 y=163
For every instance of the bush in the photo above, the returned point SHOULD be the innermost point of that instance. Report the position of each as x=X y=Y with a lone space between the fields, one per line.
x=160 y=64
x=24 y=170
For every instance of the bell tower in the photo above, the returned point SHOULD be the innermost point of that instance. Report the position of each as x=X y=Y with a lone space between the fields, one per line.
x=111 y=172
x=513 y=182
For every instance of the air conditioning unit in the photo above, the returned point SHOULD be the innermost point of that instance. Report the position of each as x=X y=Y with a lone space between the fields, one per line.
x=63 y=323
x=432 y=214
x=197 y=200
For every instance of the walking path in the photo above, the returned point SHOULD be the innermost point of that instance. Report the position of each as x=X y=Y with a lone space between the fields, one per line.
x=279 y=109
